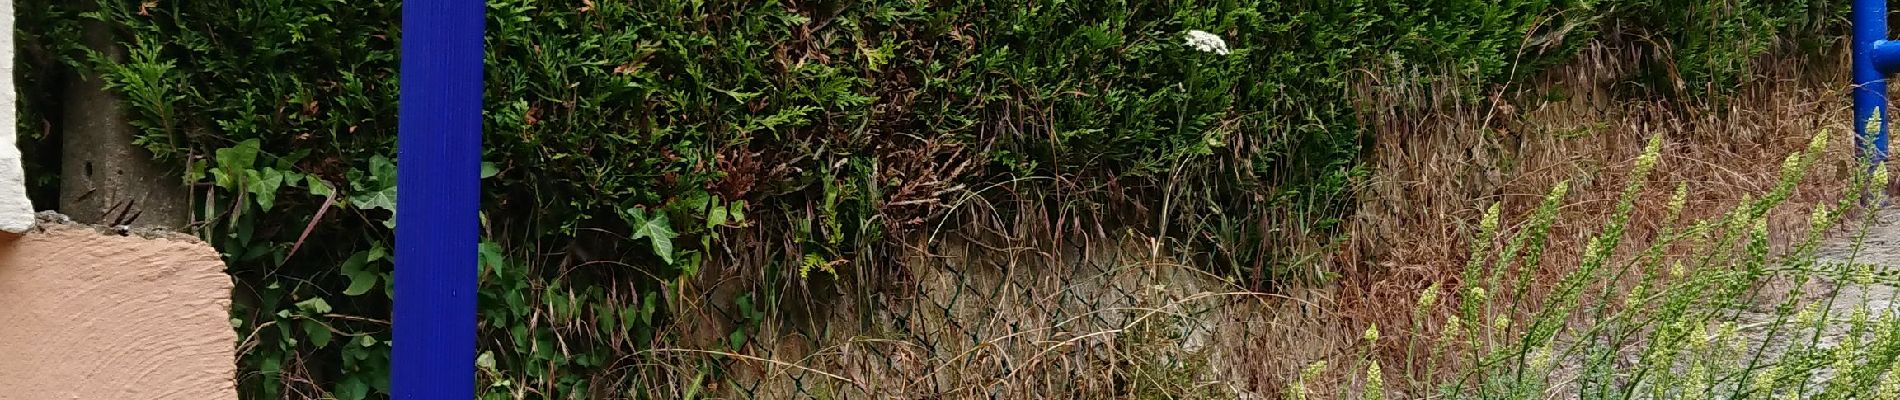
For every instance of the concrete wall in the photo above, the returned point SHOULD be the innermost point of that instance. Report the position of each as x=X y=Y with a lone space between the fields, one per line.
x=87 y=313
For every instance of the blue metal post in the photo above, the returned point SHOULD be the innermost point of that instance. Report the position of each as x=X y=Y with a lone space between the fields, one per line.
x=438 y=200
x=1874 y=57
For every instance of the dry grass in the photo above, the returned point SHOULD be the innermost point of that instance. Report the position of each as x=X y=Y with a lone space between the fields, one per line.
x=1439 y=170
x=1007 y=308
x=1039 y=305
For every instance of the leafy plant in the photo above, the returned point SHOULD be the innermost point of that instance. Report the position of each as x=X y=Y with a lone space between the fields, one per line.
x=630 y=145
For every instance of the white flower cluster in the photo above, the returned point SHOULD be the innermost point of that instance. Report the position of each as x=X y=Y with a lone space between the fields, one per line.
x=1206 y=42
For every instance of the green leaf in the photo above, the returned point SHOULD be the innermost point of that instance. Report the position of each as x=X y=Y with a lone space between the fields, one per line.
x=489 y=170
x=365 y=341
x=360 y=282
x=378 y=252
x=291 y=178
x=486 y=361
x=223 y=179
x=351 y=388
x=491 y=259
x=384 y=199
x=263 y=184
x=319 y=335
x=655 y=229
x=361 y=279
x=238 y=157
x=738 y=338
x=355 y=262
x=647 y=308
x=716 y=217
x=314 y=305
x=736 y=211
x=745 y=307
x=233 y=162
x=629 y=317
x=383 y=170
x=196 y=172
x=318 y=186
x=270 y=365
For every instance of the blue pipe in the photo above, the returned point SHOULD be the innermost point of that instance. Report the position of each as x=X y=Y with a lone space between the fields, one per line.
x=438 y=182
x=1874 y=57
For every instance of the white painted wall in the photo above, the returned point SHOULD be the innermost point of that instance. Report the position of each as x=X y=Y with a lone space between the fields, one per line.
x=16 y=212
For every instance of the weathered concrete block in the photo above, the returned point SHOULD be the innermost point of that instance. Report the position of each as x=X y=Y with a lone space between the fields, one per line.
x=16 y=212
x=93 y=314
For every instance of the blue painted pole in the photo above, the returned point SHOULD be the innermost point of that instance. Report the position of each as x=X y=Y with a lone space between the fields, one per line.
x=1874 y=57
x=438 y=191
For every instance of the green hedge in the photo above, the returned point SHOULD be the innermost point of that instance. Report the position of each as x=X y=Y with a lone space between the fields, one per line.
x=638 y=133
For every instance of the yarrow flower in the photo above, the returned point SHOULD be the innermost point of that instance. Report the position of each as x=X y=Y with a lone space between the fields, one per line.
x=1206 y=42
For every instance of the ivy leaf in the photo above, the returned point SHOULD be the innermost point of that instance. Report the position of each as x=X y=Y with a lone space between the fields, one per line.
x=490 y=255
x=314 y=305
x=263 y=184
x=318 y=186
x=655 y=229
x=383 y=170
x=351 y=388
x=319 y=335
x=356 y=262
x=489 y=170
x=384 y=199
x=233 y=161
x=240 y=156
x=222 y=179
x=360 y=282
x=291 y=178
x=486 y=361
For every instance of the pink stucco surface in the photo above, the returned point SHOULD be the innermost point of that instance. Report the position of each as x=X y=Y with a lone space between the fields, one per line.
x=86 y=314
